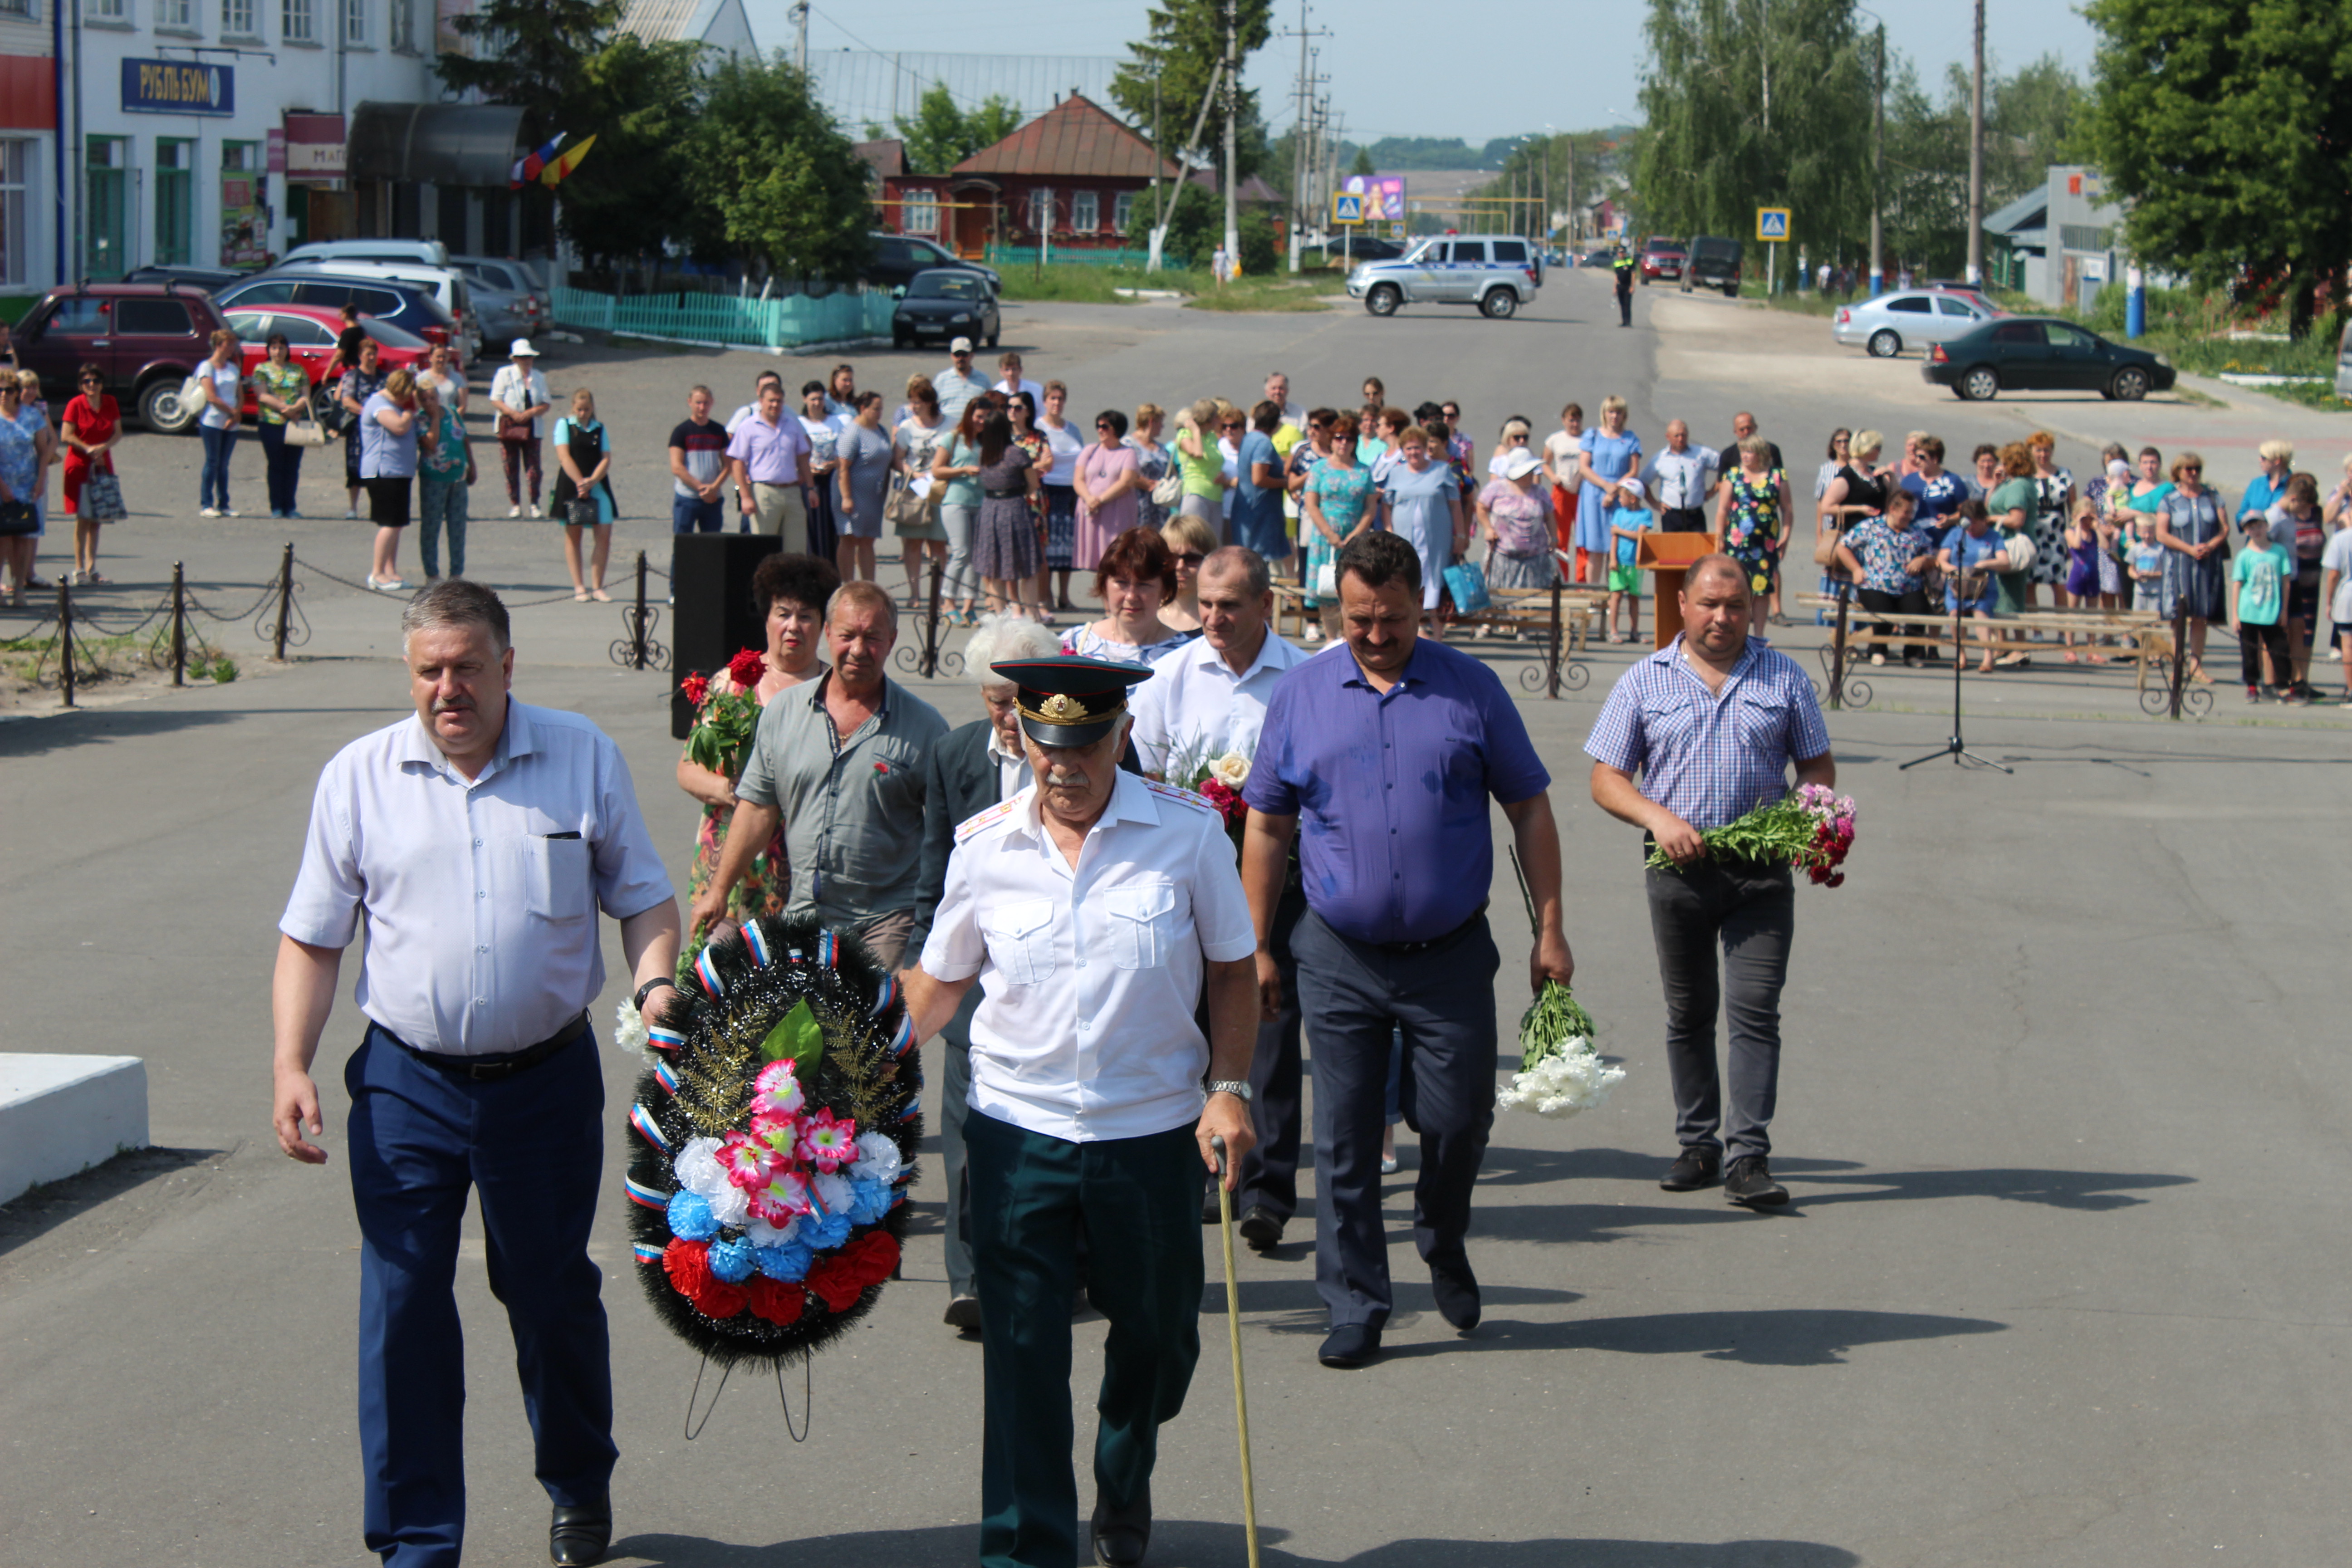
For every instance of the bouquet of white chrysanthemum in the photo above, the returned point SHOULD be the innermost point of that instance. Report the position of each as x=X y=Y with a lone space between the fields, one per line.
x=629 y=1035
x=1560 y=1073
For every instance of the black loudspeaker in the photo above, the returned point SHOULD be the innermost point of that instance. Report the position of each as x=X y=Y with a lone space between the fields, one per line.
x=712 y=618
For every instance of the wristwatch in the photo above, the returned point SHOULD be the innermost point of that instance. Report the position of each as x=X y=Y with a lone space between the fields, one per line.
x=1238 y=1087
x=647 y=989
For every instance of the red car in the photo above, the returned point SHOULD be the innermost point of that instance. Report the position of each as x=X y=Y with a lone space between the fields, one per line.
x=310 y=339
x=1663 y=259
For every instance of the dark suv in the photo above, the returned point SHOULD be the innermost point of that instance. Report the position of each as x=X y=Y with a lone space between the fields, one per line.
x=147 y=336
x=898 y=257
x=1713 y=264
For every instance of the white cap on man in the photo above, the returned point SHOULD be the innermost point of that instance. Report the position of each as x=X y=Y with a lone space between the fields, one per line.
x=520 y=349
x=960 y=346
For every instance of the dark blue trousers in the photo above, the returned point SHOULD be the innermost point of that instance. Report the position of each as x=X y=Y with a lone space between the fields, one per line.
x=533 y=1146
x=1138 y=1200
x=1270 y=1170
x=1356 y=997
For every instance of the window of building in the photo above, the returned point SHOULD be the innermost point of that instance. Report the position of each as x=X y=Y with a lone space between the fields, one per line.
x=117 y=11
x=404 y=24
x=106 y=205
x=356 y=27
x=300 y=20
x=25 y=10
x=1086 y=212
x=1122 y=211
x=920 y=214
x=1041 y=208
x=17 y=165
x=175 y=200
x=239 y=19
x=177 y=16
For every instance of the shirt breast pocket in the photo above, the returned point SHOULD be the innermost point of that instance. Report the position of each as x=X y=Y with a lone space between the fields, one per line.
x=1665 y=726
x=555 y=878
x=1019 y=938
x=1763 y=725
x=1143 y=923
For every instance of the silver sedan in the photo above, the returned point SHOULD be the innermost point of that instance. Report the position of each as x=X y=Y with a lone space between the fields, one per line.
x=1912 y=318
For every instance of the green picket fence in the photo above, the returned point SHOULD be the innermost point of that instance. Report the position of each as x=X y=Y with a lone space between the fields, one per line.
x=778 y=323
x=1011 y=256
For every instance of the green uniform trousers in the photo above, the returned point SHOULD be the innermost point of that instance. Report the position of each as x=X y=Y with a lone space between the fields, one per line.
x=1139 y=1202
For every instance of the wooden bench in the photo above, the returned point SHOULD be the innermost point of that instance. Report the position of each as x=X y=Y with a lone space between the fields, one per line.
x=1560 y=618
x=2153 y=654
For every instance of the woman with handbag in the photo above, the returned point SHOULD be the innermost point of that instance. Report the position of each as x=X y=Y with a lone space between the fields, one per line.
x=221 y=380
x=1334 y=507
x=360 y=383
x=583 y=494
x=21 y=467
x=282 y=390
x=915 y=519
x=1108 y=487
x=955 y=480
x=392 y=430
x=92 y=427
x=1420 y=501
x=1162 y=485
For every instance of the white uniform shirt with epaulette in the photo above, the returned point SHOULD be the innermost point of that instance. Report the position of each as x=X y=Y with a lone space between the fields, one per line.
x=1090 y=974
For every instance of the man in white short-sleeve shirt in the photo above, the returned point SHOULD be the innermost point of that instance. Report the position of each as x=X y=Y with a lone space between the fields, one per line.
x=1089 y=908
x=481 y=840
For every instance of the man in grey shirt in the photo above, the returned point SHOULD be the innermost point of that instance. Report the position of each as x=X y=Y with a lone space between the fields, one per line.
x=840 y=762
x=955 y=385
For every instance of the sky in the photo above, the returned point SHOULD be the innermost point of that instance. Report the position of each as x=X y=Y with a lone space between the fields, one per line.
x=1404 y=68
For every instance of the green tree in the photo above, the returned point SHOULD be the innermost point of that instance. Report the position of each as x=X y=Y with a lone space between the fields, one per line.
x=776 y=176
x=630 y=197
x=1181 y=55
x=1713 y=152
x=532 y=54
x=1363 y=164
x=2223 y=129
x=941 y=135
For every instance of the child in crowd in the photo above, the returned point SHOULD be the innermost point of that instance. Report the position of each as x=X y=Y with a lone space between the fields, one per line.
x=2146 y=555
x=2336 y=576
x=1629 y=518
x=2084 y=550
x=2261 y=572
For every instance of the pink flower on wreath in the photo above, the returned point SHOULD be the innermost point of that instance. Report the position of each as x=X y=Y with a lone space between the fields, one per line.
x=776 y=1093
x=828 y=1140
x=749 y=1161
x=785 y=1196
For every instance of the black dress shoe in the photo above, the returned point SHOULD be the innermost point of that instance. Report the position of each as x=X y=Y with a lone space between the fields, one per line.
x=1694 y=1168
x=578 y=1536
x=1210 y=1212
x=1457 y=1289
x=1262 y=1227
x=962 y=1314
x=1750 y=1181
x=1351 y=1345
x=1122 y=1534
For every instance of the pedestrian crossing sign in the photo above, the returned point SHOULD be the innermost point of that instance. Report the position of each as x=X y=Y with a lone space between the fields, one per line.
x=1347 y=206
x=1771 y=223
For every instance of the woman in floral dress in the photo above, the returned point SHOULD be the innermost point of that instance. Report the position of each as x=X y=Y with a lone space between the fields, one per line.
x=1333 y=509
x=1753 y=516
x=793 y=590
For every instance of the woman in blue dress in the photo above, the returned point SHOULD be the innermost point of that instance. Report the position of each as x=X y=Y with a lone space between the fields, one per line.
x=1607 y=455
x=1421 y=501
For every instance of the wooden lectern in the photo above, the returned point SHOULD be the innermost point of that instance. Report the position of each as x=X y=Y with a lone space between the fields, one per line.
x=1668 y=556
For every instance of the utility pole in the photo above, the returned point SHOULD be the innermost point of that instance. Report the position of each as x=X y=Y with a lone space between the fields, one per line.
x=1975 y=160
x=800 y=15
x=1302 y=206
x=1233 y=101
x=1764 y=54
x=1159 y=149
x=1878 y=168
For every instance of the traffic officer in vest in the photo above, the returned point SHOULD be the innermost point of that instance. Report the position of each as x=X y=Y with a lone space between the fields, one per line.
x=1625 y=265
x=1090 y=908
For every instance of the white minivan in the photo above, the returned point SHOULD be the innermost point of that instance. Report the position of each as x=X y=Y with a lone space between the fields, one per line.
x=446 y=284
x=406 y=252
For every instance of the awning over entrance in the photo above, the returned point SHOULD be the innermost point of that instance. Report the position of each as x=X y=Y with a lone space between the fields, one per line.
x=439 y=143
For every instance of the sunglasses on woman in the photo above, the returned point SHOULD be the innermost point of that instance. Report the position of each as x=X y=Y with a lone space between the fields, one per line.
x=1190 y=557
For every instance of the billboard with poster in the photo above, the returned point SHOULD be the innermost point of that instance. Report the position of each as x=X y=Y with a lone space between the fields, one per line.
x=245 y=228
x=1383 y=195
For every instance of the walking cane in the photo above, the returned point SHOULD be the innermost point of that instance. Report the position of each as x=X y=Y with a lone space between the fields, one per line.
x=1233 y=1336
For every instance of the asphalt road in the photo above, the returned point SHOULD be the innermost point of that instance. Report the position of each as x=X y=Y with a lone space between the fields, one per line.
x=2062 y=1112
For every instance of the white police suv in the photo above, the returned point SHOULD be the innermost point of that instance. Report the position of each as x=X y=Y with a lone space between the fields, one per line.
x=1496 y=273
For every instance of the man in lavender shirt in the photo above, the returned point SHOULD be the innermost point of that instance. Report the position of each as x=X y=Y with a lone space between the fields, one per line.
x=1386 y=751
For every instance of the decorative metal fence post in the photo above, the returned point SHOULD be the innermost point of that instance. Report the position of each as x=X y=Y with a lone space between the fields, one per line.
x=65 y=642
x=932 y=623
x=1555 y=651
x=2180 y=649
x=1837 y=663
x=179 y=623
x=285 y=601
x=637 y=621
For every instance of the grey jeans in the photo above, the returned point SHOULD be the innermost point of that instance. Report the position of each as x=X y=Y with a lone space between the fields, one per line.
x=1752 y=912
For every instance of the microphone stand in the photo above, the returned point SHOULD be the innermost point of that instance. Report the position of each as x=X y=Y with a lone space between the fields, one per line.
x=1956 y=747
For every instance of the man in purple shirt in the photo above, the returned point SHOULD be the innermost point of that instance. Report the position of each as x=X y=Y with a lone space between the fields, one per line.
x=1713 y=722
x=1386 y=751
x=768 y=455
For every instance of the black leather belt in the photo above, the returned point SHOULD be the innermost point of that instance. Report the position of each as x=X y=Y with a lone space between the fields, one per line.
x=490 y=1068
x=1002 y=495
x=1408 y=947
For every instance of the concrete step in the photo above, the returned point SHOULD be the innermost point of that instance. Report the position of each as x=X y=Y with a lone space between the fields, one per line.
x=62 y=1114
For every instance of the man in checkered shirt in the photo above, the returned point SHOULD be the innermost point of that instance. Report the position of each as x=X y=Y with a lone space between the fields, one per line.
x=1711 y=722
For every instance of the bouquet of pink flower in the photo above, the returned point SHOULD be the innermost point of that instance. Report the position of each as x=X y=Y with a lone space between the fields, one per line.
x=1812 y=827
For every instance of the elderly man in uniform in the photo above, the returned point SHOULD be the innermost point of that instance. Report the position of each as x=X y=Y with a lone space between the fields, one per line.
x=1386 y=754
x=1090 y=908
x=839 y=762
x=1206 y=699
x=480 y=839
x=1713 y=722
